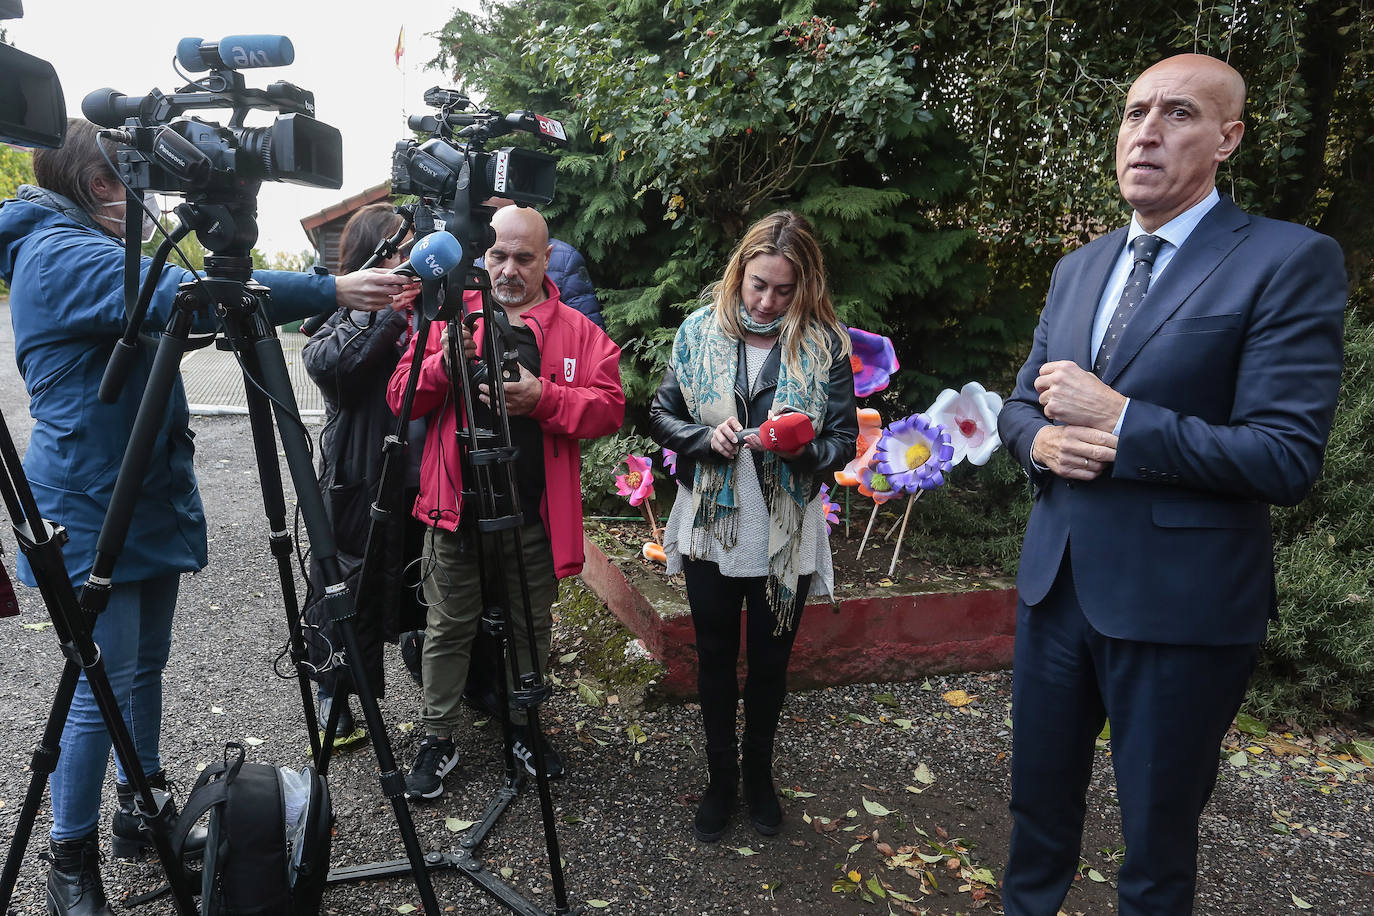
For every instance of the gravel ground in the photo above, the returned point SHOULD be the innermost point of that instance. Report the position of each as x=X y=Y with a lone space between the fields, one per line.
x=897 y=783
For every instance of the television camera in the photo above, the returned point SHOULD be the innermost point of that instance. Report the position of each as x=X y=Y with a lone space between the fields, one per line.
x=221 y=167
x=455 y=175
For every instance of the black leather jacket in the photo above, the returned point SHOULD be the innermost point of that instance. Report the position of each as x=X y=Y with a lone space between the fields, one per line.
x=671 y=426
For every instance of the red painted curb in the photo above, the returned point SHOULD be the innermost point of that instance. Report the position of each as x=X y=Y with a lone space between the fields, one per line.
x=896 y=637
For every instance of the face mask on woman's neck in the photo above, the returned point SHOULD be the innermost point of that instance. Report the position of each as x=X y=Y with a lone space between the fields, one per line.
x=149 y=204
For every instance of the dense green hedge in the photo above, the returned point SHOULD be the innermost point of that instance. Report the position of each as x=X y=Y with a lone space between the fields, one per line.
x=1320 y=655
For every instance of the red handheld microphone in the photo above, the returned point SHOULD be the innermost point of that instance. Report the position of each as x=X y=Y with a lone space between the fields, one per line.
x=786 y=432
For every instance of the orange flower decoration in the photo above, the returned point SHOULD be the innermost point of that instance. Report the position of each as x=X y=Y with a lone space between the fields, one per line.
x=870 y=432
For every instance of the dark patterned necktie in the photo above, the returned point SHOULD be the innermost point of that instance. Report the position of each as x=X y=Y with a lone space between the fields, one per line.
x=1143 y=250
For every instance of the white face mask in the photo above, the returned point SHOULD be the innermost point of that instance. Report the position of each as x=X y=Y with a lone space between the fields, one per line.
x=149 y=203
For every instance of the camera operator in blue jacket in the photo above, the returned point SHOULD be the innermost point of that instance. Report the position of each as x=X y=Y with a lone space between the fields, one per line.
x=61 y=253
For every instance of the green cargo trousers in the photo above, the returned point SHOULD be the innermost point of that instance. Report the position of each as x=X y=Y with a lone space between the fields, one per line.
x=453 y=594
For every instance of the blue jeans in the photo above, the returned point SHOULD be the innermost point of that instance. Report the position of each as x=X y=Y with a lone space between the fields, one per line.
x=134 y=634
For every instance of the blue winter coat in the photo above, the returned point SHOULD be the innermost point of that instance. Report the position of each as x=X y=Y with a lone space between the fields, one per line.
x=67 y=310
x=568 y=271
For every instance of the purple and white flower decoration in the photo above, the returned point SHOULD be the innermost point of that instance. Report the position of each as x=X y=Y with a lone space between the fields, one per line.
x=914 y=454
x=873 y=361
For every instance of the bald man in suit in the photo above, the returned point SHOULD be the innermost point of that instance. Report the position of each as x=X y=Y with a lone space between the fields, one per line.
x=1182 y=380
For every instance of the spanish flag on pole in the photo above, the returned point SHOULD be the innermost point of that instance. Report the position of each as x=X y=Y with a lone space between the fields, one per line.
x=400 y=46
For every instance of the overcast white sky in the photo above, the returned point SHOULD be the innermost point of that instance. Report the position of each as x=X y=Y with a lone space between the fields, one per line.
x=345 y=54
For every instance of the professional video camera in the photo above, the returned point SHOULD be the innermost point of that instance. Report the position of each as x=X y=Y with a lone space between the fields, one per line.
x=456 y=175
x=215 y=165
x=33 y=111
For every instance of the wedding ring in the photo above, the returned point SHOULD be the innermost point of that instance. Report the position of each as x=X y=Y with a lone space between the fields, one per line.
x=1085 y=461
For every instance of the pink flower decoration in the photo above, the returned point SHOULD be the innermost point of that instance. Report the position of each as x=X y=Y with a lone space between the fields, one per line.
x=670 y=461
x=970 y=417
x=828 y=508
x=638 y=483
x=873 y=360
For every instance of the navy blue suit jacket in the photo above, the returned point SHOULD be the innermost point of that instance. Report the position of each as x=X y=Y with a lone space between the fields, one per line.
x=1233 y=366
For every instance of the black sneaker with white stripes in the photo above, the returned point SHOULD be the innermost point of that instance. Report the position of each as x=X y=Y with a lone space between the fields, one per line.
x=436 y=757
x=524 y=754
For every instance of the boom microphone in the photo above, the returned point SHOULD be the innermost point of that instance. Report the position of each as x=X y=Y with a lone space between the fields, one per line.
x=432 y=257
x=235 y=52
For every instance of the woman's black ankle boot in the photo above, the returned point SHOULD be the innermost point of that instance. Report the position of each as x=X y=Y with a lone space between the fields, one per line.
x=718 y=802
x=757 y=771
x=129 y=841
x=74 y=887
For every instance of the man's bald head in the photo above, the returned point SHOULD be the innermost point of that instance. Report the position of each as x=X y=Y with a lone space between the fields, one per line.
x=1182 y=120
x=518 y=258
x=523 y=220
x=1223 y=82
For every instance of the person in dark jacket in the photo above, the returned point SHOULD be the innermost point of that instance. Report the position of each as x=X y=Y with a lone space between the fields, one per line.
x=351 y=358
x=61 y=253
x=1182 y=379
x=748 y=527
x=568 y=271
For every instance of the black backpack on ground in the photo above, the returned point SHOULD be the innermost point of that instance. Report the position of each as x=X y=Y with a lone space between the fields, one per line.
x=268 y=849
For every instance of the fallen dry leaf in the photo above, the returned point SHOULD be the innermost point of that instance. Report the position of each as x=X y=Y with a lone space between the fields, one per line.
x=957 y=698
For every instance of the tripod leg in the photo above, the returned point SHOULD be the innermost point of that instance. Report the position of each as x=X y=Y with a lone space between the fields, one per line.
x=530 y=686
x=279 y=537
x=43 y=763
x=270 y=366
x=532 y=690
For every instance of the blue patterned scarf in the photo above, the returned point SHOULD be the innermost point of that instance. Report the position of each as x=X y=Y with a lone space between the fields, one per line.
x=706 y=360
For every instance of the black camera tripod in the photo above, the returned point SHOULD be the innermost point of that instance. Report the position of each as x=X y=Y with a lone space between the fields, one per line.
x=240 y=306
x=488 y=457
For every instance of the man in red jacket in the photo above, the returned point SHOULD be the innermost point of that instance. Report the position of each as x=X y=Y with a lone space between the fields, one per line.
x=569 y=389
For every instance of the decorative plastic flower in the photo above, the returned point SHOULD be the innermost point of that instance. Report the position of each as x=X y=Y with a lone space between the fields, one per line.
x=876 y=486
x=870 y=431
x=638 y=483
x=914 y=454
x=828 y=508
x=670 y=461
x=873 y=360
x=970 y=417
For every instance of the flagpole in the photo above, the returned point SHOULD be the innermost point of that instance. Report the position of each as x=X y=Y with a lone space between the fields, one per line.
x=400 y=58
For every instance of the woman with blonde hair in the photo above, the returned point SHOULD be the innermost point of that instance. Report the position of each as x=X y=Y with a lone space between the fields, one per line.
x=747 y=528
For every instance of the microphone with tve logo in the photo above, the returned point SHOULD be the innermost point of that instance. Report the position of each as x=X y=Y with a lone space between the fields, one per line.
x=432 y=257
